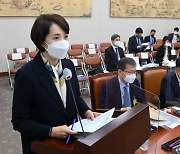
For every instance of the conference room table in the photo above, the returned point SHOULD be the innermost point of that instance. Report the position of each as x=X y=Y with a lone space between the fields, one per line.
x=159 y=137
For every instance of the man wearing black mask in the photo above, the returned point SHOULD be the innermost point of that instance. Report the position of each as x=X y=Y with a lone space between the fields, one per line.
x=151 y=39
x=174 y=37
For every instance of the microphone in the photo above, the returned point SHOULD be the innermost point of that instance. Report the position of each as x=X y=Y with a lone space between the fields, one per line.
x=68 y=75
x=154 y=101
x=149 y=97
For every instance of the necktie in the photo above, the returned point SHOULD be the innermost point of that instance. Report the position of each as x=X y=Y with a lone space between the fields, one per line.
x=117 y=54
x=126 y=97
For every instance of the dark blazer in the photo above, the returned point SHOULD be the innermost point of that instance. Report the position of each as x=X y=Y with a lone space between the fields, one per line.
x=160 y=54
x=110 y=95
x=37 y=105
x=132 y=44
x=111 y=58
x=171 y=35
x=170 y=90
x=147 y=39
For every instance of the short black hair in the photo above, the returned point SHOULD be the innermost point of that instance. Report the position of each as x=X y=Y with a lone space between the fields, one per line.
x=114 y=36
x=165 y=38
x=178 y=62
x=153 y=30
x=139 y=30
x=176 y=29
x=124 y=62
x=41 y=28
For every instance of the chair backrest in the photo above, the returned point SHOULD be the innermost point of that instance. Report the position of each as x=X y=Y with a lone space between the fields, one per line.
x=105 y=44
x=96 y=82
x=159 y=41
x=33 y=54
x=177 y=45
x=74 y=52
x=77 y=46
x=156 y=46
x=151 y=78
x=92 y=61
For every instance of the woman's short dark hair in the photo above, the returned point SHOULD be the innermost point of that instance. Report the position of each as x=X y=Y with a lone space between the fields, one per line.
x=165 y=38
x=178 y=62
x=114 y=36
x=124 y=62
x=41 y=28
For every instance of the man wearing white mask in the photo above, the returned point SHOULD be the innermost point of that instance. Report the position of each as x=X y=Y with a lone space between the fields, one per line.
x=120 y=91
x=114 y=53
x=174 y=37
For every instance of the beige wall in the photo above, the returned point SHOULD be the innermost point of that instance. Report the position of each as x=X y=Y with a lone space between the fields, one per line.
x=15 y=31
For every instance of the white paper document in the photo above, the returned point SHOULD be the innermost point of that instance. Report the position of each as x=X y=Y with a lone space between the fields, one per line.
x=16 y=56
x=171 y=121
x=91 y=126
x=75 y=62
x=91 y=51
x=20 y=50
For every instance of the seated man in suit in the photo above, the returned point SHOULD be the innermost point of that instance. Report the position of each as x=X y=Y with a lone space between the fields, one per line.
x=135 y=41
x=122 y=90
x=174 y=37
x=151 y=39
x=170 y=87
x=114 y=53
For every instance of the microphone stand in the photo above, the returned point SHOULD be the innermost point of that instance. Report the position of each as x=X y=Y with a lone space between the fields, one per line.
x=68 y=78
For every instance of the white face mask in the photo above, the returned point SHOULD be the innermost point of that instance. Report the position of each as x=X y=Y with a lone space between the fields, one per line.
x=175 y=32
x=168 y=44
x=117 y=43
x=58 y=49
x=130 y=78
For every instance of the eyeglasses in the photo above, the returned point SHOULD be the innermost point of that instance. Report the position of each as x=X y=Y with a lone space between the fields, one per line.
x=130 y=72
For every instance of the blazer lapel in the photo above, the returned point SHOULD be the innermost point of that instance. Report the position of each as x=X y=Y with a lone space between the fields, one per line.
x=47 y=81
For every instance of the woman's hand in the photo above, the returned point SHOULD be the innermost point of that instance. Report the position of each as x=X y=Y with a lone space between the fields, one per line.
x=62 y=132
x=91 y=115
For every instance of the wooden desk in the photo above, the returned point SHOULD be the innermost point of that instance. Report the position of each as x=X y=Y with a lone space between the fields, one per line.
x=164 y=135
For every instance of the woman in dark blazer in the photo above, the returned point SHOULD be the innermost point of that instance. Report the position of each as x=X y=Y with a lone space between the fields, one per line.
x=160 y=55
x=43 y=104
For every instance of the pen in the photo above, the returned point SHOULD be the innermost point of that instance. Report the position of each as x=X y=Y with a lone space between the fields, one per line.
x=68 y=138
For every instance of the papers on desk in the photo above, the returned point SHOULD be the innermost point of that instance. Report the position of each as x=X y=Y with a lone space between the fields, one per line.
x=91 y=126
x=171 y=121
x=147 y=66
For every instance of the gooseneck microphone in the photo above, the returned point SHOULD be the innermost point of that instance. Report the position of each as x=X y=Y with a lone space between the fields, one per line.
x=68 y=75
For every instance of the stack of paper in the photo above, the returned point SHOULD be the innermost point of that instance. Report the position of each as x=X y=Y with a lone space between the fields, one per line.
x=91 y=126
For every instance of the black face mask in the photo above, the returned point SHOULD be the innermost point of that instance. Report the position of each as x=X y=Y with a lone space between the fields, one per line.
x=152 y=35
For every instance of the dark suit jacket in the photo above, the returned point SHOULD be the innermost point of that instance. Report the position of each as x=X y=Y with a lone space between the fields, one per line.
x=170 y=90
x=132 y=44
x=171 y=35
x=160 y=54
x=37 y=105
x=111 y=58
x=147 y=39
x=110 y=95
